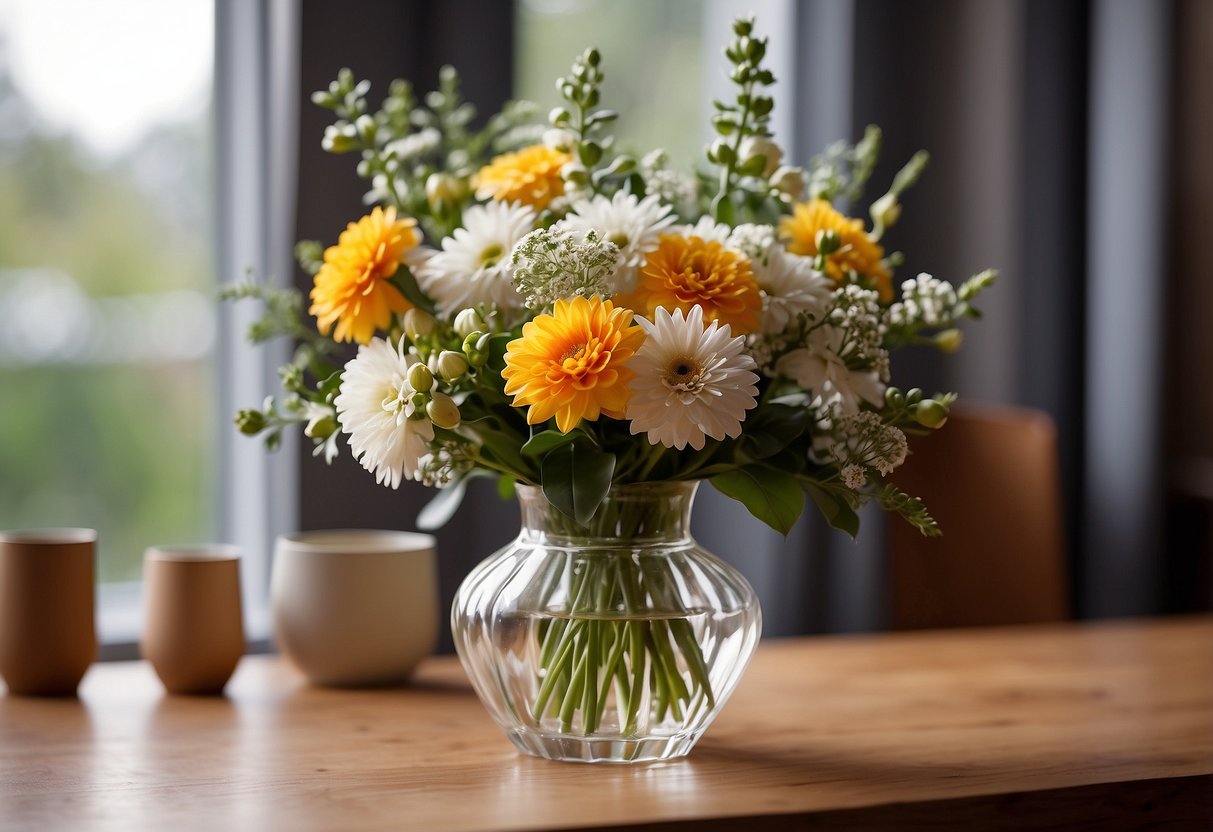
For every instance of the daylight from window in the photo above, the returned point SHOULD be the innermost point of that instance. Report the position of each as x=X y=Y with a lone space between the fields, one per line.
x=106 y=286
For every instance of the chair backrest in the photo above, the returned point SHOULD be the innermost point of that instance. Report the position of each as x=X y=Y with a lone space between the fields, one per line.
x=990 y=478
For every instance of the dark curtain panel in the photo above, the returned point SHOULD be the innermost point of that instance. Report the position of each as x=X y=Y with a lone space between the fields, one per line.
x=389 y=39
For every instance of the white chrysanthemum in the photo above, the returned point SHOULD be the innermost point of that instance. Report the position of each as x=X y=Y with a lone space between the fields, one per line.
x=705 y=229
x=631 y=224
x=474 y=264
x=375 y=408
x=819 y=369
x=790 y=285
x=691 y=382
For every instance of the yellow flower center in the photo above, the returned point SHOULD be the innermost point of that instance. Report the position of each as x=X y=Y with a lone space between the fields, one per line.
x=684 y=375
x=491 y=256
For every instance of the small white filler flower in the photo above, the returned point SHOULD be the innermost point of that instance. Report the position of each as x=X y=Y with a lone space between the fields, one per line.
x=691 y=382
x=631 y=224
x=473 y=266
x=377 y=407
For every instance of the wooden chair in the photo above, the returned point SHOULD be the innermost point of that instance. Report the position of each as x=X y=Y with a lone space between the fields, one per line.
x=990 y=478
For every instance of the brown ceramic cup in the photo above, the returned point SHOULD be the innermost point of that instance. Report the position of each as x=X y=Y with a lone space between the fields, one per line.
x=47 y=631
x=193 y=630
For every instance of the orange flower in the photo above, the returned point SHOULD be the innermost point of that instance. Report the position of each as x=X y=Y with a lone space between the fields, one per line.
x=683 y=272
x=571 y=364
x=858 y=252
x=353 y=287
x=530 y=176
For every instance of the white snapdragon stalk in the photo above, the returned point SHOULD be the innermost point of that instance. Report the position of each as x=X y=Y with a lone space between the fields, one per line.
x=692 y=382
x=381 y=411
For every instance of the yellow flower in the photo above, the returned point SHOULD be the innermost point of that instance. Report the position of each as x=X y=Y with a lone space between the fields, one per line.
x=858 y=252
x=352 y=288
x=684 y=272
x=571 y=364
x=530 y=176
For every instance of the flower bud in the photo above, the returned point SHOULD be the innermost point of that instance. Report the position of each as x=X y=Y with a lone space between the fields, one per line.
x=886 y=211
x=320 y=426
x=575 y=173
x=931 y=414
x=559 y=116
x=443 y=411
x=416 y=407
x=469 y=321
x=250 y=422
x=894 y=398
x=443 y=189
x=721 y=153
x=559 y=138
x=418 y=323
x=420 y=378
x=949 y=340
x=366 y=127
x=828 y=241
x=340 y=138
x=476 y=348
x=753 y=146
x=789 y=181
x=913 y=396
x=451 y=365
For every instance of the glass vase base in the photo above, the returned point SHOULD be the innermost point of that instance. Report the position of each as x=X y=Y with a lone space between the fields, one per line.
x=575 y=749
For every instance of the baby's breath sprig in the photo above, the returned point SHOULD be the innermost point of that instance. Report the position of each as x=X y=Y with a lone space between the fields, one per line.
x=553 y=263
x=929 y=309
x=584 y=124
x=739 y=121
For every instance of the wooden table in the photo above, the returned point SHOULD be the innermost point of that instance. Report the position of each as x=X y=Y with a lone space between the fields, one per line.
x=1102 y=726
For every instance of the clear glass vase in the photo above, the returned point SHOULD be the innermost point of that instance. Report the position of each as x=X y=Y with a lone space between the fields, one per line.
x=617 y=641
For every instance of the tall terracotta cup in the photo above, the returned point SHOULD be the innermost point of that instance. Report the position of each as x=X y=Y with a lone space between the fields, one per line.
x=47 y=635
x=193 y=631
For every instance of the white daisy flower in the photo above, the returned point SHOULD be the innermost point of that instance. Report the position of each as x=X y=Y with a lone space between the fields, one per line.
x=789 y=283
x=818 y=369
x=691 y=382
x=631 y=224
x=376 y=408
x=473 y=266
x=706 y=229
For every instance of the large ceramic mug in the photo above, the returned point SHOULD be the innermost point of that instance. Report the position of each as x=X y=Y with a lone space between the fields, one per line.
x=355 y=608
x=47 y=635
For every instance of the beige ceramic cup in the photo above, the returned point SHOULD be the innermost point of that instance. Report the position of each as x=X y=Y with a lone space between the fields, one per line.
x=47 y=630
x=193 y=630
x=355 y=608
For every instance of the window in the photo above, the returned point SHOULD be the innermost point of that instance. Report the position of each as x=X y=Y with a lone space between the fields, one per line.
x=646 y=47
x=108 y=413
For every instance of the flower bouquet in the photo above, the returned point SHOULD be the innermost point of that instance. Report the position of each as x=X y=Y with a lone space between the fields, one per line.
x=597 y=330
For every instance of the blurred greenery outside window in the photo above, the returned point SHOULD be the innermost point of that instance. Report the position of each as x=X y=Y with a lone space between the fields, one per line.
x=653 y=56
x=107 y=383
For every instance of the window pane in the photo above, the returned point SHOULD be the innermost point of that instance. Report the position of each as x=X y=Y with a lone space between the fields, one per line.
x=107 y=414
x=653 y=58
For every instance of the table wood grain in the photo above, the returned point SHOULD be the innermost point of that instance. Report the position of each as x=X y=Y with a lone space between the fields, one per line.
x=1098 y=726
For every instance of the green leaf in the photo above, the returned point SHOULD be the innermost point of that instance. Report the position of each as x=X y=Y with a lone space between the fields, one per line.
x=575 y=479
x=837 y=512
x=547 y=440
x=774 y=497
x=440 y=509
x=407 y=284
x=771 y=428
